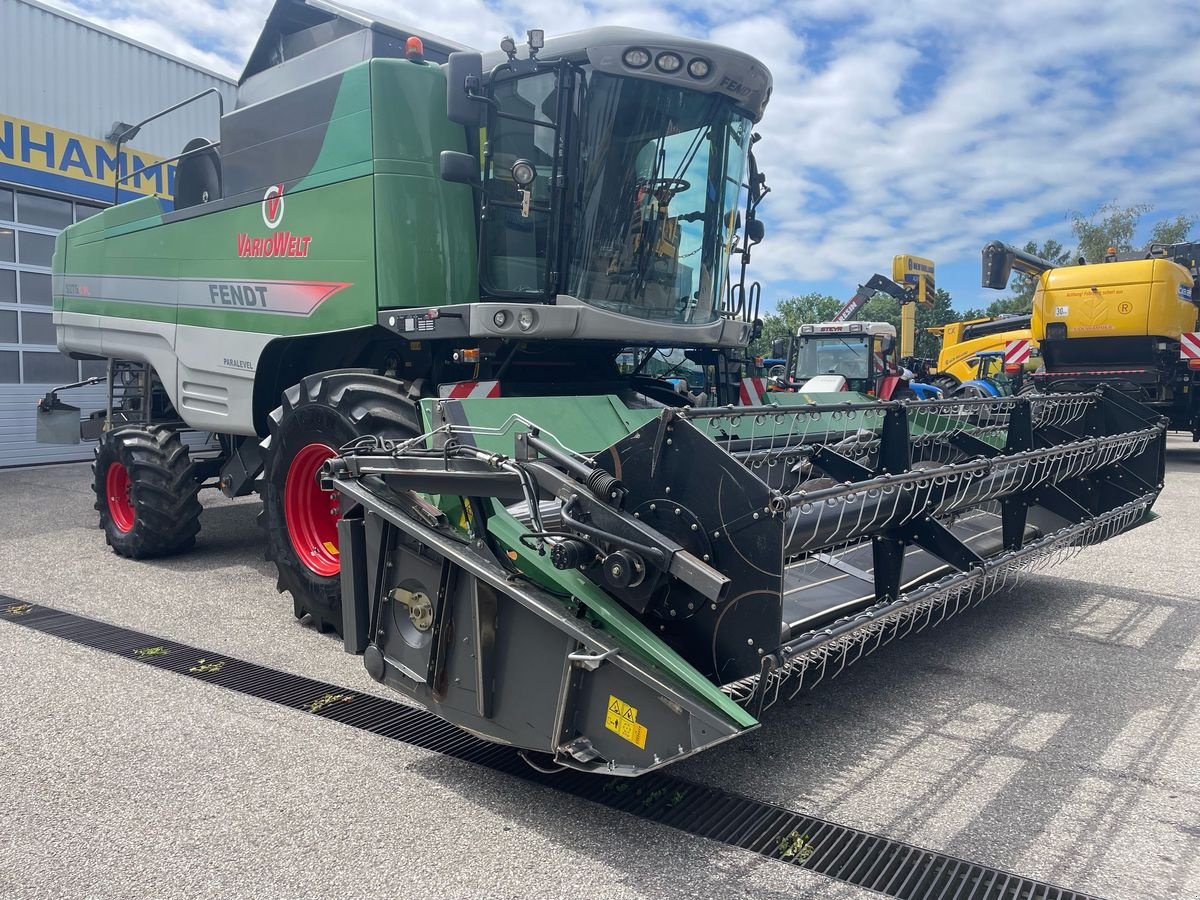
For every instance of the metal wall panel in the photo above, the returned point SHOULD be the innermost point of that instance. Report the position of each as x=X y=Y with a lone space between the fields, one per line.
x=61 y=72
x=58 y=71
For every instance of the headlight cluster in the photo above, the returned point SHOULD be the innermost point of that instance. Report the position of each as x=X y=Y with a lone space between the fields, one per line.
x=667 y=62
x=525 y=320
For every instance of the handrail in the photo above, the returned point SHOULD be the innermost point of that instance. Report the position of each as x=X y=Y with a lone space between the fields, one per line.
x=132 y=130
x=154 y=165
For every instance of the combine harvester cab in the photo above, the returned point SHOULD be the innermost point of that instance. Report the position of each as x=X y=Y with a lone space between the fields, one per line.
x=628 y=586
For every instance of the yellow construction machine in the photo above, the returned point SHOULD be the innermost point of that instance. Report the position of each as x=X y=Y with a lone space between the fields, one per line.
x=1129 y=322
x=962 y=342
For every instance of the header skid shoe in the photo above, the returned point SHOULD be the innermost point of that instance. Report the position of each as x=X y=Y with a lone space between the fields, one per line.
x=629 y=594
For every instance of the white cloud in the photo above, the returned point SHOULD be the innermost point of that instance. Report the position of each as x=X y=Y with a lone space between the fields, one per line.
x=1037 y=107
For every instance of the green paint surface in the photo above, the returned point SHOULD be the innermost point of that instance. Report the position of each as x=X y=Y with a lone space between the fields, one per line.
x=583 y=424
x=425 y=227
x=616 y=620
x=381 y=221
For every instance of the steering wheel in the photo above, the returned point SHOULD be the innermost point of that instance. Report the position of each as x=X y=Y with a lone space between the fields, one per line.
x=670 y=185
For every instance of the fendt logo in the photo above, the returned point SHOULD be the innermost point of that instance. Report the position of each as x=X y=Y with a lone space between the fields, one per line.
x=272 y=206
x=281 y=243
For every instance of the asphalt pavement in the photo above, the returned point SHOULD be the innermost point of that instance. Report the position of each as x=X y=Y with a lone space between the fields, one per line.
x=1052 y=731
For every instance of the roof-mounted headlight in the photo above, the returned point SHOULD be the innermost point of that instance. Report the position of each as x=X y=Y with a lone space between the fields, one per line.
x=669 y=62
x=699 y=68
x=636 y=58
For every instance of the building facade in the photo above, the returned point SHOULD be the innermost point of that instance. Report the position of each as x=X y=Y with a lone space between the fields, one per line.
x=66 y=88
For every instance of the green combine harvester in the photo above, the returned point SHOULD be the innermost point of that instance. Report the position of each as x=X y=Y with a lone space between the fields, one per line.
x=396 y=294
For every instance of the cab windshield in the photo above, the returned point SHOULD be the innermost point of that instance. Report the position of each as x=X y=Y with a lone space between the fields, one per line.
x=635 y=199
x=659 y=176
x=848 y=356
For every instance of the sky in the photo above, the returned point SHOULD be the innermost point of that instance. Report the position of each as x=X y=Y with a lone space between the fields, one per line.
x=895 y=126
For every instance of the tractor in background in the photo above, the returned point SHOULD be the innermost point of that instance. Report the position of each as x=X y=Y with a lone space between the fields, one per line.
x=831 y=357
x=963 y=341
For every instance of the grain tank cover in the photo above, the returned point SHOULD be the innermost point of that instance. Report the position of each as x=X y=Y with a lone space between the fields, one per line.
x=305 y=40
x=1117 y=299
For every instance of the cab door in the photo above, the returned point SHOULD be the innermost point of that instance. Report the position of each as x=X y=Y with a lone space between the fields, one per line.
x=524 y=182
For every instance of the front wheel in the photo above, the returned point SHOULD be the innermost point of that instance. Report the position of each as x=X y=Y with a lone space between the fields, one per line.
x=318 y=416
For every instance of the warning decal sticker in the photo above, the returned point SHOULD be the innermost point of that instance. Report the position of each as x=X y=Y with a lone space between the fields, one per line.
x=622 y=719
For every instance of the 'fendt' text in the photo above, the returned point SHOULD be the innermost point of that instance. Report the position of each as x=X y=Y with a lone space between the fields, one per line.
x=282 y=243
x=238 y=295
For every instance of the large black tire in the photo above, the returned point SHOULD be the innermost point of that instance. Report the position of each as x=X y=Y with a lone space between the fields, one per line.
x=146 y=492
x=948 y=383
x=329 y=410
x=970 y=391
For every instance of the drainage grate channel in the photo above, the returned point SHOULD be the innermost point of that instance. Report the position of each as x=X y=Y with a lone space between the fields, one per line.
x=856 y=857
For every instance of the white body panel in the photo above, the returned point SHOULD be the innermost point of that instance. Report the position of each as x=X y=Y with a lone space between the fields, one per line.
x=216 y=377
x=208 y=373
x=825 y=384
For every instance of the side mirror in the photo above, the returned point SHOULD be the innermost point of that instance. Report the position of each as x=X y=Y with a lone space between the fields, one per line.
x=997 y=266
x=777 y=348
x=886 y=343
x=463 y=71
x=460 y=168
x=755 y=231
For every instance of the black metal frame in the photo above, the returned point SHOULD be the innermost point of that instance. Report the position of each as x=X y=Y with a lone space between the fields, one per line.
x=132 y=131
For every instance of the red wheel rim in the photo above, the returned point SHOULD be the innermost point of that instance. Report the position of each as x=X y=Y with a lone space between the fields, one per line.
x=311 y=513
x=116 y=488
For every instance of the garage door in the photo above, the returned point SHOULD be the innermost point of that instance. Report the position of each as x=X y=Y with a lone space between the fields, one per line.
x=30 y=364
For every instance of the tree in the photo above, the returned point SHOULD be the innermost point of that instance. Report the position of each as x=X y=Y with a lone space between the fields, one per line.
x=1113 y=226
x=1109 y=226
x=941 y=312
x=790 y=315
x=1172 y=231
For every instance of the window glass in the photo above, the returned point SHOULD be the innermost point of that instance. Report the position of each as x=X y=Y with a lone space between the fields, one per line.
x=48 y=212
x=656 y=199
x=6 y=205
x=36 y=249
x=9 y=367
x=8 y=286
x=848 y=356
x=8 y=326
x=86 y=211
x=37 y=328
x=49 y=368
x=8 y=245
x=35 y=288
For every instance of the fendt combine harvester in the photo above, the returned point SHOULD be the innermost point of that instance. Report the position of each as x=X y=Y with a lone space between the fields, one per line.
x=435 y=259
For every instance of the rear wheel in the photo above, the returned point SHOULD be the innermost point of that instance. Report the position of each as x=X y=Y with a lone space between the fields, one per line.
x=318 y=416
x=970 y=391
x=146 y=492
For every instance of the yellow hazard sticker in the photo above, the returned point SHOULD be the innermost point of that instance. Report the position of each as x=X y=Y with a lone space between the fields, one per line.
x=331 y=547
x=622 y=719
